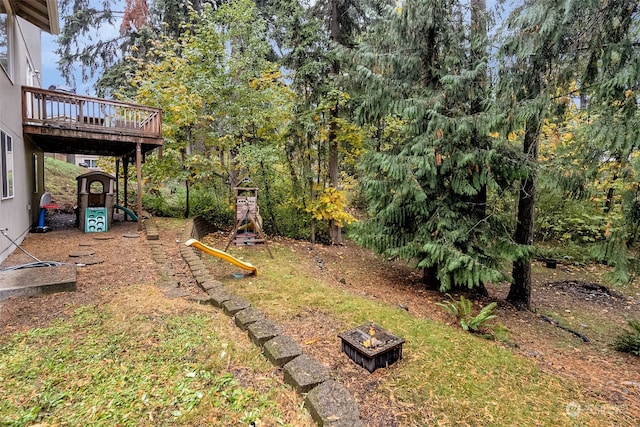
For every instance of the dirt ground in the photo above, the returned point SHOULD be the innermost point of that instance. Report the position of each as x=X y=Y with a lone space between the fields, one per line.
x=567 y=294
x=122 y=259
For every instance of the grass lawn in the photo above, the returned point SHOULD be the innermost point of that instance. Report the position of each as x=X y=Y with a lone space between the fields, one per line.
x=141 y=359
x=447 y=376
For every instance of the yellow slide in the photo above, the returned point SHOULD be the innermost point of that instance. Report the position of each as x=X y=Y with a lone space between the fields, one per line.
x=222 y=255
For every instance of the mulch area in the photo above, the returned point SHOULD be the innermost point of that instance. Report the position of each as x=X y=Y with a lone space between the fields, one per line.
x=119 y=261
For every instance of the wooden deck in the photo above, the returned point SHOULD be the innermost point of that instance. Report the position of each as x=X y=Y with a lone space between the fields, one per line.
x=60 y=122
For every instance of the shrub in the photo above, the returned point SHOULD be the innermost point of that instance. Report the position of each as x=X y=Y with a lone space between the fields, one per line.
x=293 y=222
x=568 y=220
x=203 y=200
x=171 y=202
x=219 y=215
x=159 y=205
x=629 y=341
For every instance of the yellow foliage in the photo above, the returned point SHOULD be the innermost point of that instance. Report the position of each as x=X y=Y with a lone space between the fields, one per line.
x=330 y=206
x=398 y=7
x=573 y=88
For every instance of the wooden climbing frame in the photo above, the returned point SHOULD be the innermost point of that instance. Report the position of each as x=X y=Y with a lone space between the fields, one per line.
x=247 y=229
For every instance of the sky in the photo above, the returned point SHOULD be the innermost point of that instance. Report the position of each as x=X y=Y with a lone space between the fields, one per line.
x=50 y=74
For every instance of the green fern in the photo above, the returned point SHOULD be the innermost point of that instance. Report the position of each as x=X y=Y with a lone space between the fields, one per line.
x=462 y=309
x=481 y=318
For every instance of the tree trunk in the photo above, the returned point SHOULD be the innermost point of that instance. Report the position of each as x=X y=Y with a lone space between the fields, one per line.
x=187 y=207
x=295 y=181
x=430 y=278
x=608 y=204
x=520 y=290
x=333 y=154
x=335 y=232
x=478 y=52
x=379 y=133
x=184 y=153
x=234 y=174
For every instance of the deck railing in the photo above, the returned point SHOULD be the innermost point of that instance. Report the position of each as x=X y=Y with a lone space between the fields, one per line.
x=63 y=110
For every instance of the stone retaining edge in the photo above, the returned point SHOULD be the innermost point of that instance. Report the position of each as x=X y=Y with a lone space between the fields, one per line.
x=329 y=403
x=150 y=228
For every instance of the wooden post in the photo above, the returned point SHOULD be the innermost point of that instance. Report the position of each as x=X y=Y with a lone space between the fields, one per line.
x=118 y=183
x=24 y=106
x=80 y=107
x=125 y=172
x=139 y=177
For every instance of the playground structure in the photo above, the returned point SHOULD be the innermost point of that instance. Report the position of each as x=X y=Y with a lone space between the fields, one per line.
x=128 y=212
x=222 y=255
x=247 y=228
x=96 y=200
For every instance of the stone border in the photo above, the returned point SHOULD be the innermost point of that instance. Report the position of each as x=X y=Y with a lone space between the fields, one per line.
x=328 y=402
x=151 y=228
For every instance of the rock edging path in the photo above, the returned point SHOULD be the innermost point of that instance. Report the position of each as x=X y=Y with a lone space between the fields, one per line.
x=328 y=402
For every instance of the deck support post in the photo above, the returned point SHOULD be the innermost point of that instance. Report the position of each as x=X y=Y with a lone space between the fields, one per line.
x=118 y=183
x=125 y=172
x=139 y=178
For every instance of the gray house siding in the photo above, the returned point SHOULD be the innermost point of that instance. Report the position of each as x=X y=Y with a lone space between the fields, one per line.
x=20 y=211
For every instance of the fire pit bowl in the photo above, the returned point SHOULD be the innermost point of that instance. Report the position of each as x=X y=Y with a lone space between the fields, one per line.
x=371 y=346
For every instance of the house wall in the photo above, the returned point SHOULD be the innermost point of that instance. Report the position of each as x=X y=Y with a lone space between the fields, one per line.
x=85 y=160
x=19 y=213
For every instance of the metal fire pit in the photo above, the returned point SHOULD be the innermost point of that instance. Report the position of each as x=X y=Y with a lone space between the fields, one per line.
x=381 y=351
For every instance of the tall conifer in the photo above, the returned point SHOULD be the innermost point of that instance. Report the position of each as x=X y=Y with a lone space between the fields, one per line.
x=610 y=81
x=425 y=65
x=541 y=56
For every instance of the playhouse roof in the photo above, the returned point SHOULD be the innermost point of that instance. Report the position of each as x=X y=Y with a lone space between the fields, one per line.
x=95 y=174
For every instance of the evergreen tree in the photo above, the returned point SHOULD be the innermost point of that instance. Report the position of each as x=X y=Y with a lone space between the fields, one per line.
x=610 y=81
x=541 y=56
x=302 y=52
x=308 y=39
x=343 y=22
x=425 y=65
